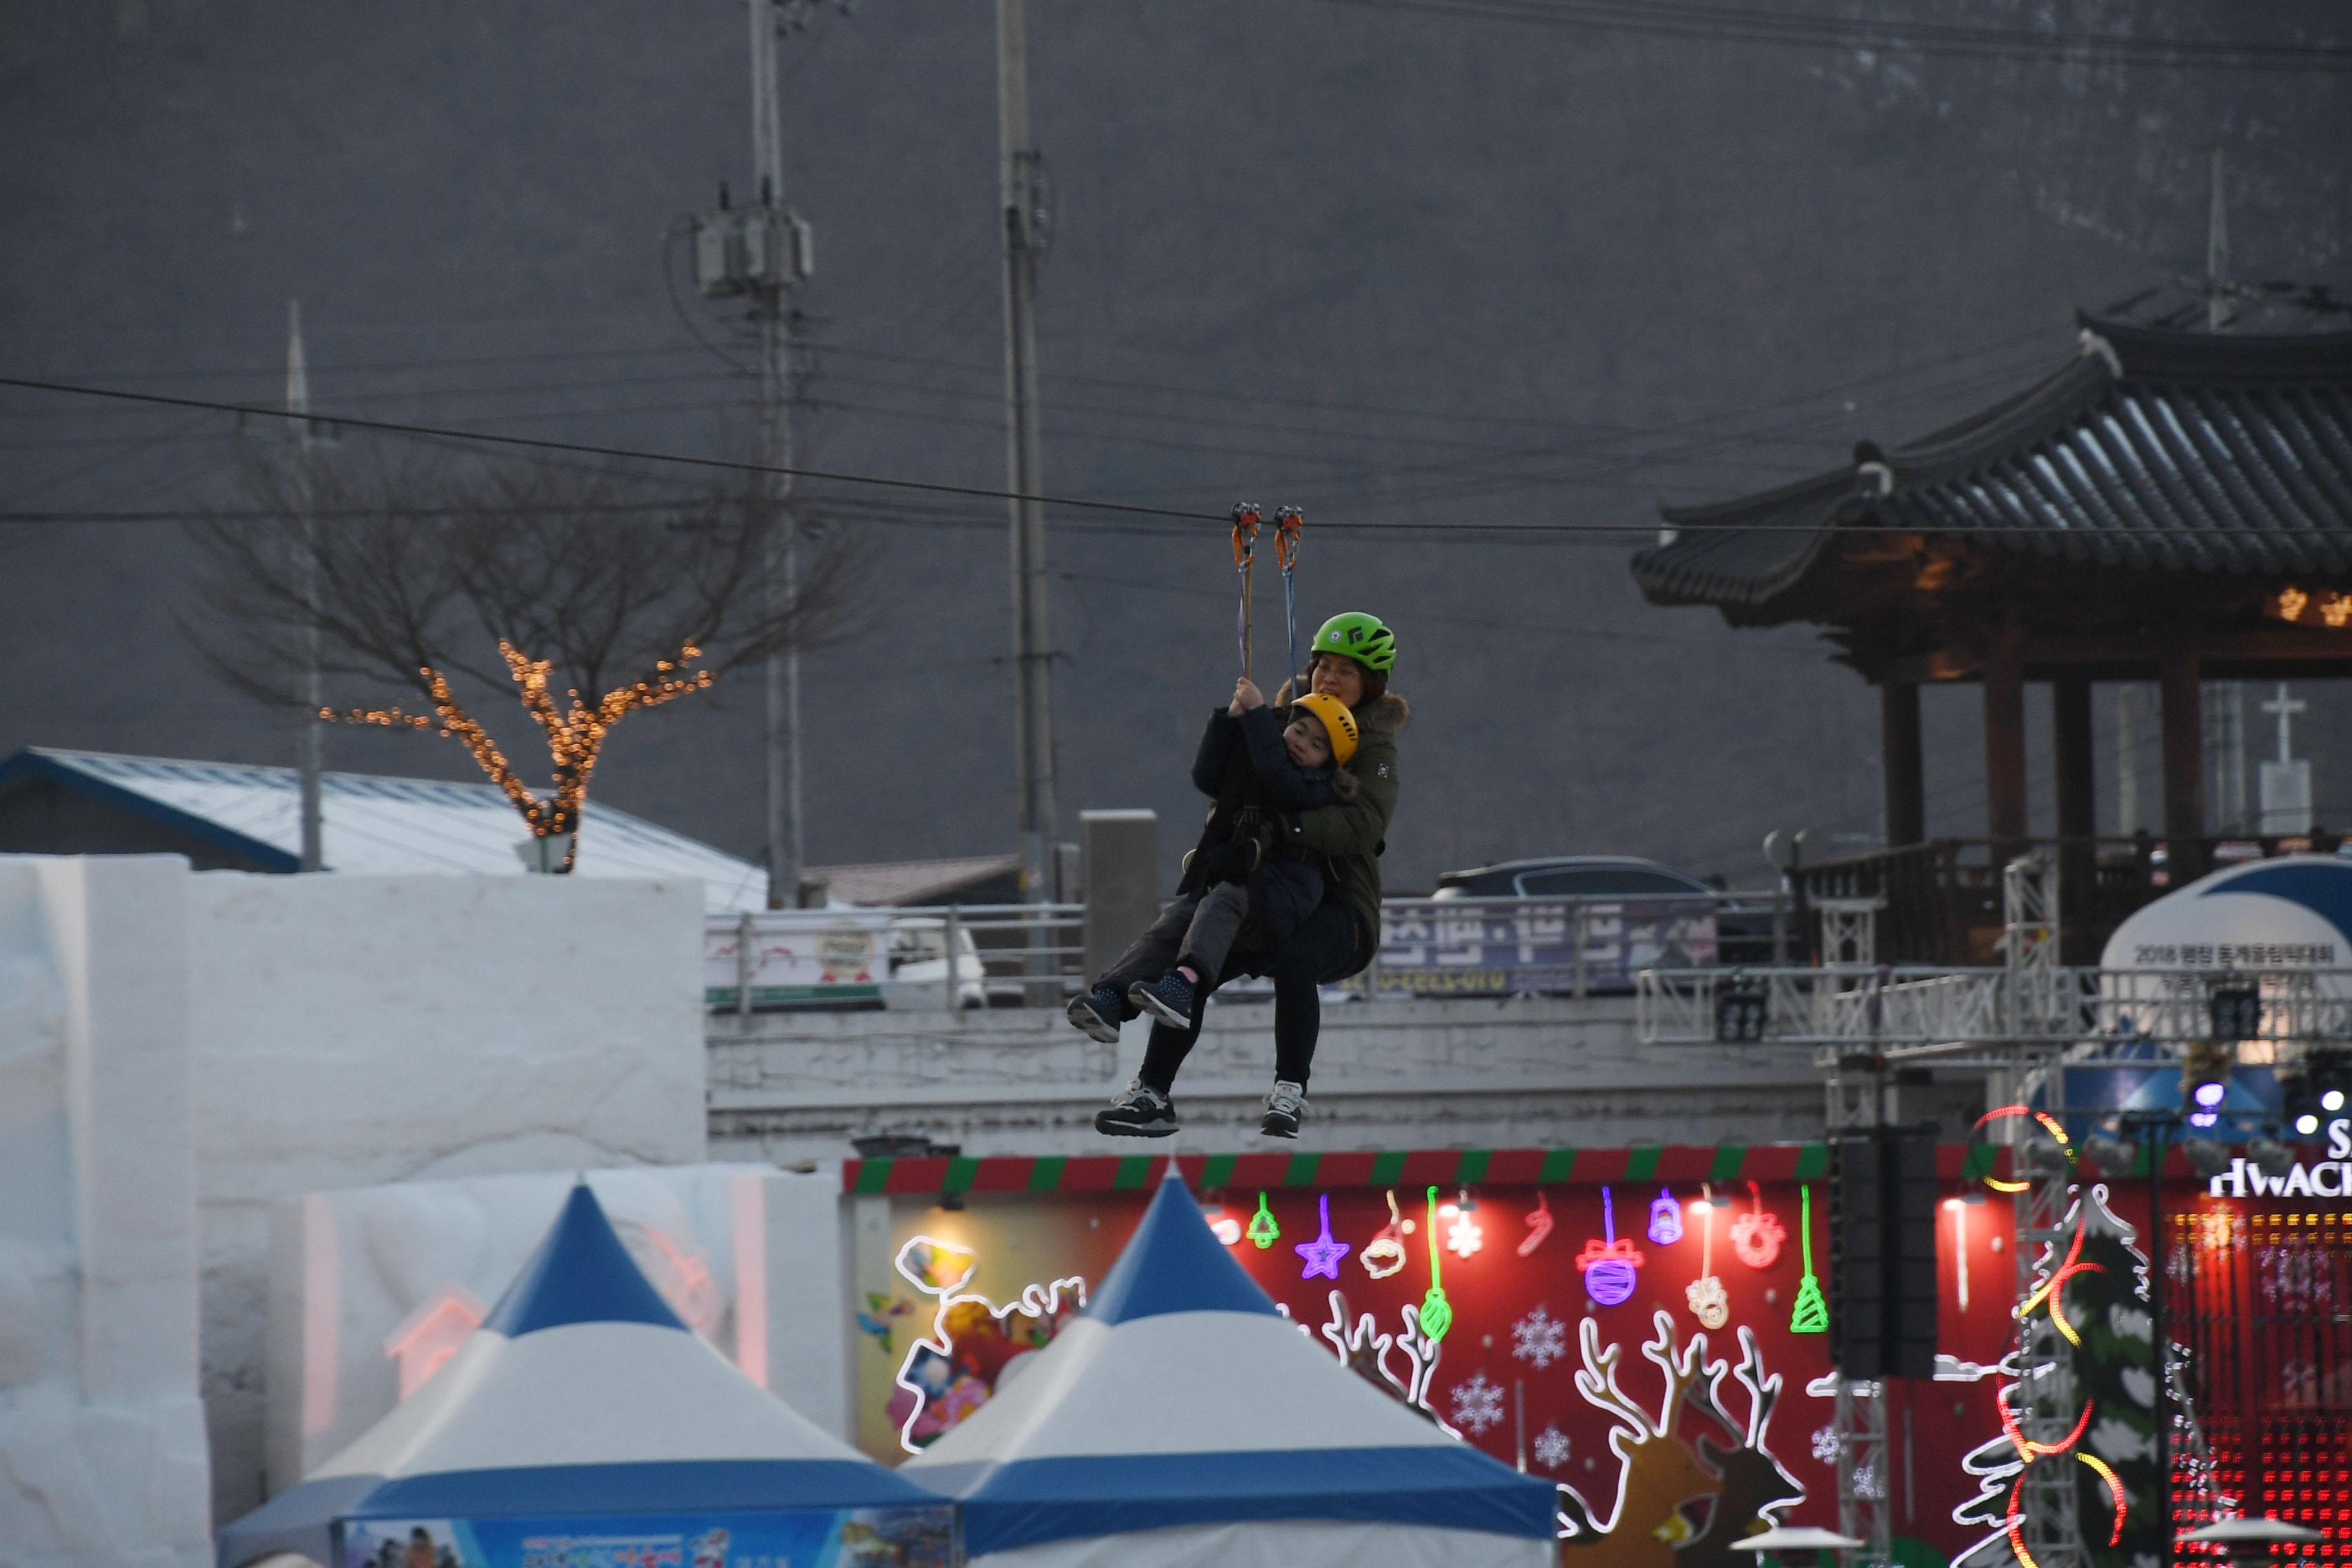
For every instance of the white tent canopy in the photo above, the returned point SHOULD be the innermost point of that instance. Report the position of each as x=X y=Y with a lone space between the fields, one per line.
x=581 y=1394
x=1182 y=1420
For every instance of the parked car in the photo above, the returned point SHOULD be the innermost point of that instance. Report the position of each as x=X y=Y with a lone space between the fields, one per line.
x=1743 y=934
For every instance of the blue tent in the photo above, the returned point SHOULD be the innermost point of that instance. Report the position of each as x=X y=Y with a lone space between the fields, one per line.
x=582 y=1399
x=1183 y=1420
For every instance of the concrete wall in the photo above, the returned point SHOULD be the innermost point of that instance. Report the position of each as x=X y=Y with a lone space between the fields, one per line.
x=1388 y=1075
x=102 y=1437
x=350 y=1030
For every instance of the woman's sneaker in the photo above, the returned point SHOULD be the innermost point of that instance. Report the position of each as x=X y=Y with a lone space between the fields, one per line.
x=1097 y=1014
x=1168 y=999
x=1285 y=1106
x=1142 y=1111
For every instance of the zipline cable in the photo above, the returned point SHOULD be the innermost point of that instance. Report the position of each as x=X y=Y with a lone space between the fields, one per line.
x=1245 y=520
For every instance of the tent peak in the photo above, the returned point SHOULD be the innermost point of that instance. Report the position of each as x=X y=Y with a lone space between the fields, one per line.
x=1173 y=1263
x=581 y=1274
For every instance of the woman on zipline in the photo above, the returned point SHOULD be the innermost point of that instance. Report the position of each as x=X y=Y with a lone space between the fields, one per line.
x=1352 y=657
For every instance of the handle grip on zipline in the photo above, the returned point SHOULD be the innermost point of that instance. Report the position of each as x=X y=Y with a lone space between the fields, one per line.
x=1287 y=524
x=1245 y=521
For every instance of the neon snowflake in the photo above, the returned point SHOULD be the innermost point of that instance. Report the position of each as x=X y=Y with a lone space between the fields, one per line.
x=1541 y=1337
x=1477 y=1404
x=1826 y=1445
x=1552 y=1447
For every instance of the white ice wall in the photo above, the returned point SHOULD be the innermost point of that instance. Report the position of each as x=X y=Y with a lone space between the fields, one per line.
x=350 y=1030
x=750 y=1257
x=102 y=1438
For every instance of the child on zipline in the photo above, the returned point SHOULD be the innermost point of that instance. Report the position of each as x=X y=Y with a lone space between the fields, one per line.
x=1254 y=759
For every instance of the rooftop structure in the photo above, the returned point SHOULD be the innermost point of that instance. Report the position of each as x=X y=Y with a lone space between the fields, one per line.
x=2167 y=506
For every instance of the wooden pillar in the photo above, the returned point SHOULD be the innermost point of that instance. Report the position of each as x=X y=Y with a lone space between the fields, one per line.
x=2184 y=765
x=1902 y=769
x=2069 y=705
x=2004 y=727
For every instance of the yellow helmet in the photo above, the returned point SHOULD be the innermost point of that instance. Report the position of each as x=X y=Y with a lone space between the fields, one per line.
x=1339 y=723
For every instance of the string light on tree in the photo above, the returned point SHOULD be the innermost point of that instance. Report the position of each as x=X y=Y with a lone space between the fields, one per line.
x=575 y=734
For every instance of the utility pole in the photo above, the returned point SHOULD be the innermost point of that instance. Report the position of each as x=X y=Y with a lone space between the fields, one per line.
x=780 y=561
x=311 y=752
x=1024 y=221
x=2225 y=700
x=763 y=251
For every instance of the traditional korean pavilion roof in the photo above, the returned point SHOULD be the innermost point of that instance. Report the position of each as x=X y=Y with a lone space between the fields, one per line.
x=2178 y=453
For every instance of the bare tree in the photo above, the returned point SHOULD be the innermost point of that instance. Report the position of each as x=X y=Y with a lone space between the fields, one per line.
x=599 y=594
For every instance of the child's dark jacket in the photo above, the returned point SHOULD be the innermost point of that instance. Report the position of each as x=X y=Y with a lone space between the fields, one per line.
x=1243 y=766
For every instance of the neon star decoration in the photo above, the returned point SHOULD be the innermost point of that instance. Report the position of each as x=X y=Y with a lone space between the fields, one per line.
x=1811 y=1313
x=1323 y=1253
x=1608 y=1265
x=1708 y=1303
x=1465 y=1236
x=1384 y=1254
x=1757 y=1236
x=1666 y=1219
x=1261 y=1228
x=1436 y=1313
x=1538 y=1226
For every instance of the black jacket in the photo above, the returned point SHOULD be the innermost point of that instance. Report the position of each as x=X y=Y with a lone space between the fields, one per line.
x=1243 y=766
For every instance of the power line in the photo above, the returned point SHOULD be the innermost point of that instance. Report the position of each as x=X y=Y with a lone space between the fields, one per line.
x=982 y=493
x=1725 y=23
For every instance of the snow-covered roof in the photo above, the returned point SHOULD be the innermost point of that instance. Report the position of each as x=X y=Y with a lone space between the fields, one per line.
x=913 y=881
x=381 y=825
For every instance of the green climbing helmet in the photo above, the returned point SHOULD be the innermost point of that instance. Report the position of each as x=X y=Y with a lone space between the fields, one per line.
x=1361 y=638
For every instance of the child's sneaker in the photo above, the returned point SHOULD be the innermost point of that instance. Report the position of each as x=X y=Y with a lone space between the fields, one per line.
x=1168 y=999
x=1285 y=1106
x=1097 y=1014
x=1142 y=1111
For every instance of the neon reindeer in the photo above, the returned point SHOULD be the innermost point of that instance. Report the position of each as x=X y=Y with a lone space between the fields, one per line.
x=1658 y=1472
x=1754 y=1485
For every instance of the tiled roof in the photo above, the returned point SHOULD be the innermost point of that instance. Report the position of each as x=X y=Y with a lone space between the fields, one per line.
x=2152 y=449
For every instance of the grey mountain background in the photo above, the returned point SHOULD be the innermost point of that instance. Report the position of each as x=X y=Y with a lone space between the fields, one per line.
x=1387 y=265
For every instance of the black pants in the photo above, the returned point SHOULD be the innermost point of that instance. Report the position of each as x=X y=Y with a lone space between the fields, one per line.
x=1322 y=950
x=1197 y=928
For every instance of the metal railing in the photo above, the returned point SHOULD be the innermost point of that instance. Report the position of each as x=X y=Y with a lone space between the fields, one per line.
x=1909 y=1009
x=848 y=959
x=1033 y=955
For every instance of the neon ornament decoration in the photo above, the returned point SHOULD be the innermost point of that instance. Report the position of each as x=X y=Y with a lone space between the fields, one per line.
x=1757 y=1236
x=1436 y=1311
x=1708 y=1302
x=1323 y=1254
x=1811 y=1313
x=1666 y=1219
x=1538 y=1226
x=1384 y=1254
x=1465 y=1236
x=1262 y=1230
x=1222 y=1225
x=1608 y=1265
